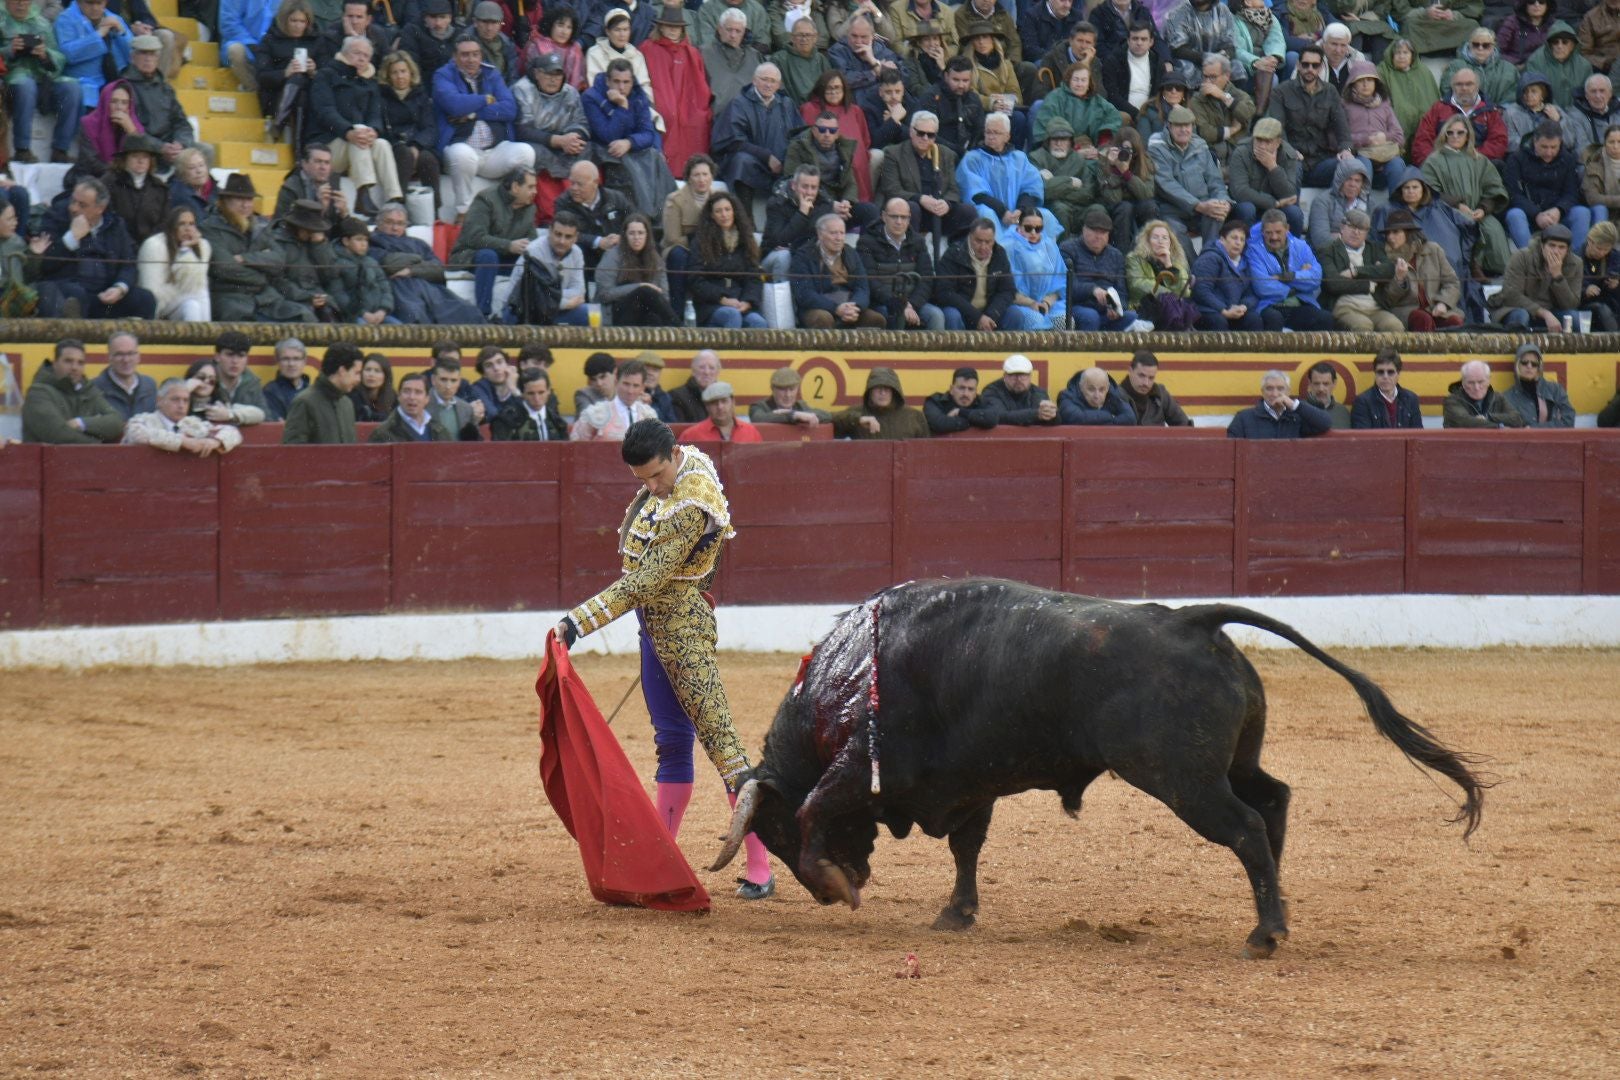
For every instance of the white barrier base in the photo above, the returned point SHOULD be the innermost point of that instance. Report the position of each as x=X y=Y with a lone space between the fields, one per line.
x=1400 y=621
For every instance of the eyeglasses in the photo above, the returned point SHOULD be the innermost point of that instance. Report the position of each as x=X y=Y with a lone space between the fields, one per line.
x=898 y=217
x=1035 y=228
x=1385 y=371
x=1309 y=65
x=1456 y=133
x=1480 y=44
x=826 y=130
x=1530 y=363
x=925 y=134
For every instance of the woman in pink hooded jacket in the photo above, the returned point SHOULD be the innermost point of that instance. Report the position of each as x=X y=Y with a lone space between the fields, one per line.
x=1375 y=132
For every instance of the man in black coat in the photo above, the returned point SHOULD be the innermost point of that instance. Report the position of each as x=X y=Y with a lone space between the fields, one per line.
x=345 y=113
x=790 y=220
x=960 y=112
x=1387 y=404
x=960 y=407
x=355 y=21
x=1279 y=416
x=969 y=264
x=1144 y=47
x=601 y=211
x=688 y=397
x=431 y=39
x=90 y=263
x=900 y=273
x=1015 y=397
x=922 y=171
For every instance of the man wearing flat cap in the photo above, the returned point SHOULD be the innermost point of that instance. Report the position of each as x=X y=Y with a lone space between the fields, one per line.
x=157 y=106
x=652 y=390
x=1015 y=397
x=723 y=424
x=785 y=406
x=1192 y=194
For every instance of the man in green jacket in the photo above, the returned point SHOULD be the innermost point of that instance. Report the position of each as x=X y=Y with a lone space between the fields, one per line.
x=324 y=413
x=38 y=70
x=499 y=225
x=62 y=407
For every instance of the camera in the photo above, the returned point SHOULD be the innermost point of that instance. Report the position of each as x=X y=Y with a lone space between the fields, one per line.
x=1125 y=152
x=30 y=42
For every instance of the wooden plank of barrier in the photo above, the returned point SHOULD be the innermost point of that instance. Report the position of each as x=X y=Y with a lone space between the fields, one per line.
x=1321 y=516
x=980 y=509
x=1501 y=513
x=20 y=536
x=305 y=530
x=596 y=488
x=475 y=526
x=131 y=535
x=814 y=522
x=1149 y=516
x=1600 y=556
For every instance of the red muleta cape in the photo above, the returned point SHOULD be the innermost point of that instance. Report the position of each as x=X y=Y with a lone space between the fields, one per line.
x=628 y=854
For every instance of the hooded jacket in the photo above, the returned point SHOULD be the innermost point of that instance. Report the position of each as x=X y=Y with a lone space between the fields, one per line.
x=1522 y=121
x=1517 y=37
x=1560 y=413
x=1592 y=122
x=1328 y=210
x=1497 y=77
x=1217 y=284
x=1366 y=120
x=898 y=421
x=1567 y=76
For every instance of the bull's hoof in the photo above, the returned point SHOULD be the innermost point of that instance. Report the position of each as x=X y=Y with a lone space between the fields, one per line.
x=1262 y=943
x=839 y=888
x=952 y=919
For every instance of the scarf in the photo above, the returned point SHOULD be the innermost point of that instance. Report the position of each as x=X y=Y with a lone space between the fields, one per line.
x=1305 y=19
x=1259 y=20
x=102 y=135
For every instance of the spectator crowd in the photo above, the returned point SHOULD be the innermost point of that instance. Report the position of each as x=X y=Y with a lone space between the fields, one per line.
x=512 y=399
x=1192 y=164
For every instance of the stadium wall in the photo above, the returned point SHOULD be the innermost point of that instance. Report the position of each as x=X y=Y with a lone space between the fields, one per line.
x=1211 y=374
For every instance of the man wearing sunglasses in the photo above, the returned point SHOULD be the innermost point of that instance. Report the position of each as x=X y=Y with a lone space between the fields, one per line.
x=822 y=147
x=1313 y=118
x=1388 y=404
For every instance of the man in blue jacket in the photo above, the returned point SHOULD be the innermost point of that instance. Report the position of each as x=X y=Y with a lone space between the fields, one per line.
x=94 y=42
x=1278 y=416
x=1388 y=404
x=1285 y=275
x=1544 y=188
x=476 y=111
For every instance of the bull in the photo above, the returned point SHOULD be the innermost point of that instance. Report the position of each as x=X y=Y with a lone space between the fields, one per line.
x=933 y=699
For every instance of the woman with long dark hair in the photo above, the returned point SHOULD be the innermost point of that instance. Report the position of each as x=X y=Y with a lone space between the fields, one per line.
x=173 y=267
x=630 y=280
x=726 y=289
x=208 y=400
x=374 y=399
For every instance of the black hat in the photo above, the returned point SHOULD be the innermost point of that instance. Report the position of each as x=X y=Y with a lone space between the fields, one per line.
x=1399 y=220
x=139 y=143
x=1099 y=220
x=670 y=15
x=546 y=64
x=307 y=214
x=1175 y=78
x=436 y=7
x=238 y=184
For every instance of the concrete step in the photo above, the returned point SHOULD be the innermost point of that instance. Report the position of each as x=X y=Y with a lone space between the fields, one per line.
x=253 y=155
x=232 y=103
x=204 y=52
x=195 y=76
x=191 y=28
x=217 y=129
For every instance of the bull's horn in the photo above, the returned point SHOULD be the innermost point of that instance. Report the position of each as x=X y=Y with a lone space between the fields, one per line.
x=742 y=816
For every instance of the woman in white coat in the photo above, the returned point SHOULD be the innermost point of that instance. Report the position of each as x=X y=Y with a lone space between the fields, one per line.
x=174 y=268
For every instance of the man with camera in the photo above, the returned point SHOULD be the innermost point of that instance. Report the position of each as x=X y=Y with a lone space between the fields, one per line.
x=35 y=67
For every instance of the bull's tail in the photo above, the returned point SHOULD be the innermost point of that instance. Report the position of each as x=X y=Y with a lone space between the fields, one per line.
x=1413 y=739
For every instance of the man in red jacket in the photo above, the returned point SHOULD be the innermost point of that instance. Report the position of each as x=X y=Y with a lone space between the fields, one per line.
x=1490 y=131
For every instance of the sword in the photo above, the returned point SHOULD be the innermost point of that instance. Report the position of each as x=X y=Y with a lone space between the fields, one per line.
x=633 y=684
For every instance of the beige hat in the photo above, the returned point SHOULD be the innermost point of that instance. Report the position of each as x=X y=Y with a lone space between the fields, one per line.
x=784 y=378
x=1268 y=127
x=1017 y=364
x=146 y=43
x=647 y=356
x=1182 y=115
x=716 y=391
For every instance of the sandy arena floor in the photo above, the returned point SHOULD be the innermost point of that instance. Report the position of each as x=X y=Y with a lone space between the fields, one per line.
x=351 y=870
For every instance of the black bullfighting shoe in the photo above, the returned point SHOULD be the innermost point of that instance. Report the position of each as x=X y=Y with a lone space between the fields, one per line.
x=747 y=890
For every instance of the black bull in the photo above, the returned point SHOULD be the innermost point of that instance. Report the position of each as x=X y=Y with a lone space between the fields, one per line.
x=988 y=688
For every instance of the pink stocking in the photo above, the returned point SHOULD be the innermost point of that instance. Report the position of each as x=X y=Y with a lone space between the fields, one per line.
x=758 y=869
x=672 y=800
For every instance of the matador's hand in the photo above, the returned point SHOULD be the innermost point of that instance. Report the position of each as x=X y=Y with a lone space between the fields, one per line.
x=568 y=632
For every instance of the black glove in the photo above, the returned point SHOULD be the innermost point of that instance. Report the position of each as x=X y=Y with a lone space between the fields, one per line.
x=570 y=633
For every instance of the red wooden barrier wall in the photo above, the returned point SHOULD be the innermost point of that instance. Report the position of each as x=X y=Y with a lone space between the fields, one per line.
x=118 y=535
x=21 y=533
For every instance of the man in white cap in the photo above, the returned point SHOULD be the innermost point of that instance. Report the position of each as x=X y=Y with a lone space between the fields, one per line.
x=1015 y=397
